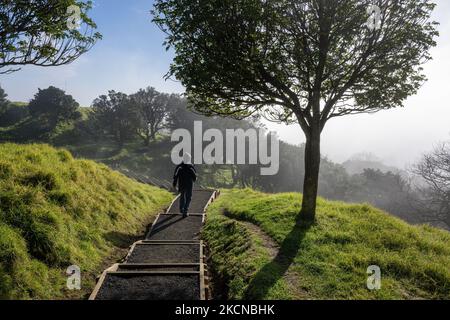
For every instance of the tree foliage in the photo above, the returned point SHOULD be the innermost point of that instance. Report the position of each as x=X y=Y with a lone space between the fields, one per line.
x=303 y=61
x=4 y=103
x=44 y=32
x=152 y=109
x=53 y=105
x=115 y=113
x=240 y=56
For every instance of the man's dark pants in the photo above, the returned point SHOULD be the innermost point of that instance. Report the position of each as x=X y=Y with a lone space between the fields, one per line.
x=185 y=199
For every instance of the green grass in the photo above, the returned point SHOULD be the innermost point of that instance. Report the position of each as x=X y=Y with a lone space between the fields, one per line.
x=237 y=254
x=325 y=260
x=56 y=211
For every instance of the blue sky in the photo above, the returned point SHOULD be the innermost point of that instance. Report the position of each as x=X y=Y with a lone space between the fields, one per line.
x=131 y=56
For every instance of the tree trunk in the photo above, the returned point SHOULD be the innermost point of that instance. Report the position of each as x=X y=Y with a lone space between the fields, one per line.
x=152 y=133
x=311 y=180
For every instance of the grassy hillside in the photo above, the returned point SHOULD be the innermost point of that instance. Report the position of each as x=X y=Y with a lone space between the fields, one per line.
x=57 y=211
x=259 y=250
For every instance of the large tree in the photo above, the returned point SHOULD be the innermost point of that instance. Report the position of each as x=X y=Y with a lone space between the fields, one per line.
x=115 y=114
x=303 y=61
x=153 y=109
x=53 y=105
x=44 y=33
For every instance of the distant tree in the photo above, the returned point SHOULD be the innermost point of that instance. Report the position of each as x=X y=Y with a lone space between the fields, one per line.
x=333 y=180
x=434 y=170
x=179 y=114
x=4 y=103
x=15 y=112
x=115 y=114
x=152 y=109
x=387 y=190
x=53 y=105
x=44 y=33
x=303 y=61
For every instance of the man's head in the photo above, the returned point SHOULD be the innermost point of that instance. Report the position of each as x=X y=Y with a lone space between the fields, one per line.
x=187 y=158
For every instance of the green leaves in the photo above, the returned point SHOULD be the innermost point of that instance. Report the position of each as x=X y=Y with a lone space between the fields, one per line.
x=4 y=103
x=305 y=61
x=38 y=33
x=53 y=105
x=239 y=57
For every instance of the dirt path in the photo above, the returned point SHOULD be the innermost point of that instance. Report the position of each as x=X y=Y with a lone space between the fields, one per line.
x=291 y=277
x=268 y=243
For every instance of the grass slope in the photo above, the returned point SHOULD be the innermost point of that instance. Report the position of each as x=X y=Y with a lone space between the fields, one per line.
x=56 y=211
x=326 y=260
x=82 y=139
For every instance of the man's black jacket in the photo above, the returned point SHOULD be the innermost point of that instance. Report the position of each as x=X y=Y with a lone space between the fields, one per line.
x=184 y=176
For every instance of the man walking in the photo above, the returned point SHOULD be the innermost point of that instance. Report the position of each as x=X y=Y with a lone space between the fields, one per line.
x=185 y=176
